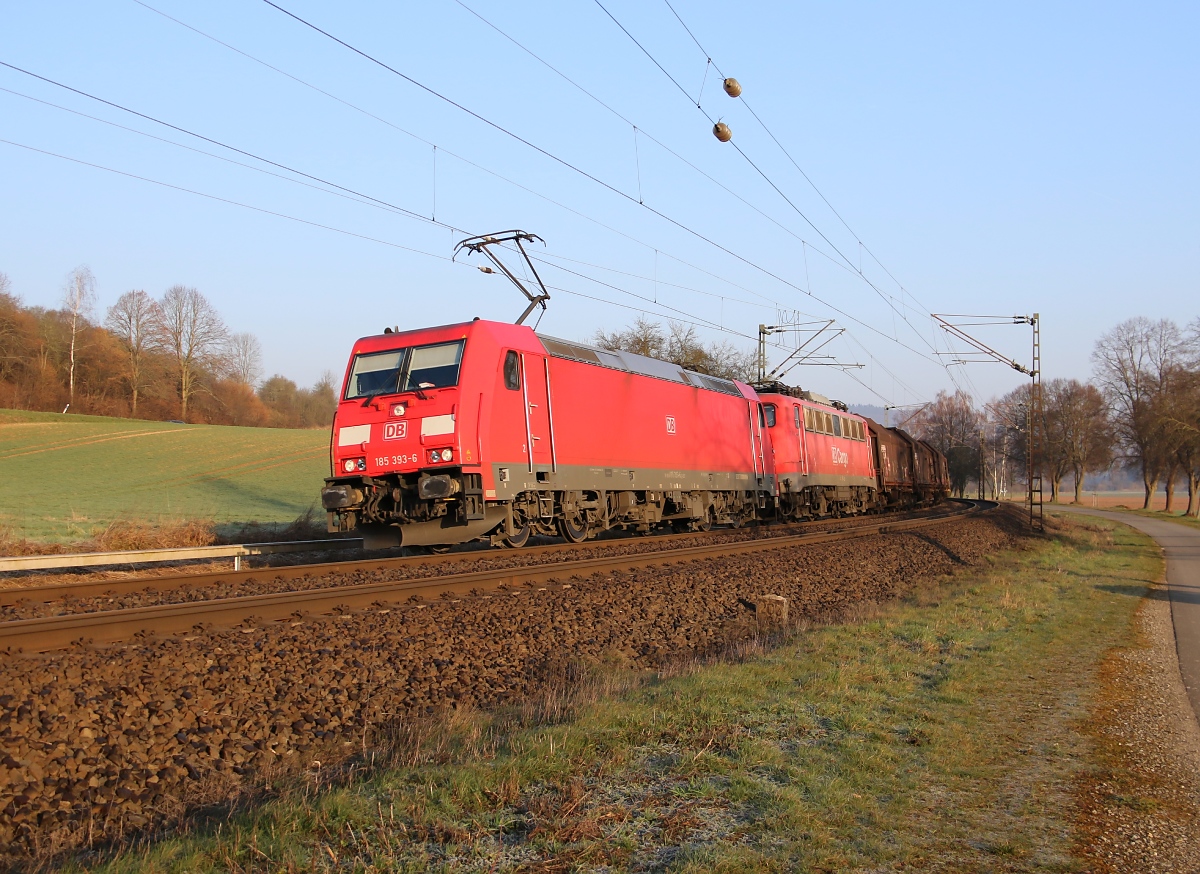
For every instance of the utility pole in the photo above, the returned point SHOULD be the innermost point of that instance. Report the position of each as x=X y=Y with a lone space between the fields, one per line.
x=982 y=466
x=1036 y=418
x=984 y=352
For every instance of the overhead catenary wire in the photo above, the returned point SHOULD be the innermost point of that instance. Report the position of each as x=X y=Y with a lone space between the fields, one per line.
x=225 y=200
x=442 y=223
x=563 y=206
x=353 y=196
x=215 y=142
x=640 y=130
x=708 y=59
x=739 y=149
x=788 y=155
x=904 y=291
x=613 y=189
x=676 y=314
x=367 y=113
x=380 y=205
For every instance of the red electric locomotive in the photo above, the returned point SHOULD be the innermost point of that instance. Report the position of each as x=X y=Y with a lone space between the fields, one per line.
x=823 y=457
x=448 y=434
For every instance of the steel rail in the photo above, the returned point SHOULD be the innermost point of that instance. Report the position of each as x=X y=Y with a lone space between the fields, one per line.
x=182 y=553
x=165 y=583
x=48 y=633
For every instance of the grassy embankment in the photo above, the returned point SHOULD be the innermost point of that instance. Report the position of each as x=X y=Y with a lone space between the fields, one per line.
x=67 y=477
x=945 y=731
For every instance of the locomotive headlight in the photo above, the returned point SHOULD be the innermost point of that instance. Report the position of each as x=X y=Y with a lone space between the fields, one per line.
x=362 y=464
x=349 y=466
x=435 y=456
x=447 y=455
x=398 y=410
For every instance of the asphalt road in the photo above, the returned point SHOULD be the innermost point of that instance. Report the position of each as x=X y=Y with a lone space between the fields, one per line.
x=1181 y=544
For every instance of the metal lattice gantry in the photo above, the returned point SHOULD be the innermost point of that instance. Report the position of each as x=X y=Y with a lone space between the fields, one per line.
x=804 y=352
x=980 y=352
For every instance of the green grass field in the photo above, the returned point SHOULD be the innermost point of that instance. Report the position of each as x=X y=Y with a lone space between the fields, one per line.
x=65 y=477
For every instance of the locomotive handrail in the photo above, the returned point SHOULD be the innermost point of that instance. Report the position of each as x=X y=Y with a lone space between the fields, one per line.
x=150 y=556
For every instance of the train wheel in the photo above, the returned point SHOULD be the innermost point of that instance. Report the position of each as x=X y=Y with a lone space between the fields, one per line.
x=516 y=541
x=573 y=530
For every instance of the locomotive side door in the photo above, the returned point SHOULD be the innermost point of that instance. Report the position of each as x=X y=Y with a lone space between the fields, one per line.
x=802 y=437
x=539 y=428
x=758 y=424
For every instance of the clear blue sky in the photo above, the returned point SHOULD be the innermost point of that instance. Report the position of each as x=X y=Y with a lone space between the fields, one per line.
x=996 y=158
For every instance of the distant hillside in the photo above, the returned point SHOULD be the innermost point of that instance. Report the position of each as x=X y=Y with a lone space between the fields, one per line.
x=871 y=411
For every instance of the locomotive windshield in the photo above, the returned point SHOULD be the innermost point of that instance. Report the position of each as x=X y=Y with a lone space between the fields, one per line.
x=401 y=370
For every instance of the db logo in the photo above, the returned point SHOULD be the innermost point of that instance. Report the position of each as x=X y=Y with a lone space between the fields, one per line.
x=840 y=457
x=670 y=424
x=395 y=430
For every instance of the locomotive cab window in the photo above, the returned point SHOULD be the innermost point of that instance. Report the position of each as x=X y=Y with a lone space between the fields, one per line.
x=837 y=426
x=434 y=366
x=399 y=370
x=512 y=371
x=769 y=412
x=375 y=373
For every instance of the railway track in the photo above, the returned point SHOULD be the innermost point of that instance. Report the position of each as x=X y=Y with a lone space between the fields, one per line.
x=48 y=633
x=102 y=586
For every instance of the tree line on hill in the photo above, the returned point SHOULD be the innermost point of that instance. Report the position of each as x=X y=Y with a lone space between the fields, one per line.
x=166 y=358
x=1140 y=411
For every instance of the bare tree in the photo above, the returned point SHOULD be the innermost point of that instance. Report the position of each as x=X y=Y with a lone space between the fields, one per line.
x=136 y=321
x=952 y=425
x=12 y=351
x=729 y=362
x=194 y=333
x=643 y=337
x=1183 y=419
x=244 y=358
x=79 y=296
x=1134 y=365
x=681 y=346
x=1078 y=433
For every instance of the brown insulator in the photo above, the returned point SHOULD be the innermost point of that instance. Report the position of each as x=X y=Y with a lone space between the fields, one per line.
x=732 y=87
x=722 y=132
